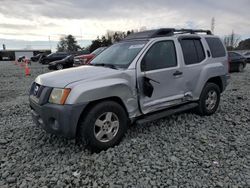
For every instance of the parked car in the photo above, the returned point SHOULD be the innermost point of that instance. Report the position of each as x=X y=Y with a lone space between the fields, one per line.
x=6 y=58
x=247 y=56
x=23 y=59
x=67 y=62
x=237 y=62
x=37 y=57
x=144 y=77
x=53 y=57
x=81 y=52
x=85 y=59
x=20 y=58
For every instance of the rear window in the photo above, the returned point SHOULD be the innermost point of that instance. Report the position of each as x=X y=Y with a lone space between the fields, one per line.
x=216 y=47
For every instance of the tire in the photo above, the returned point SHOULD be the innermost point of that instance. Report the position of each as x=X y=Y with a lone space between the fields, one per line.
x=103 y=126
x=240 y=67
x=59 y=67
x=209 y=99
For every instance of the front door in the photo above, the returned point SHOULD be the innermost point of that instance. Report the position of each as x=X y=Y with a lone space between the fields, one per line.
x=161 y=80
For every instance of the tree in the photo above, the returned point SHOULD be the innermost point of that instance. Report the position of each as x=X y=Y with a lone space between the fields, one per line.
x=231 y=41
x=110 y=38
x=68 y=44
x=244 y=45
x=95 y=44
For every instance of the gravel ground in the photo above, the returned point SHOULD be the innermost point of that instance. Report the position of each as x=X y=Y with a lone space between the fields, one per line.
x=183 y=150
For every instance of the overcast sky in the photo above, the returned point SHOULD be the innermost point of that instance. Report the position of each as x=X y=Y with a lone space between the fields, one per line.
x=38 y=19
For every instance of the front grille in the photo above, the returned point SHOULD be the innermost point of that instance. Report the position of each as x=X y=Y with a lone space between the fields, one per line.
x=39 y=93
x=36 y=90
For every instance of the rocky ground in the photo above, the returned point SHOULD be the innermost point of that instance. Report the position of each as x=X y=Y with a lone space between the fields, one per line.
x=183 y=150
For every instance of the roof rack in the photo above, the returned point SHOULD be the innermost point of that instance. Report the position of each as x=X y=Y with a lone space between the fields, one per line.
x=163 y=32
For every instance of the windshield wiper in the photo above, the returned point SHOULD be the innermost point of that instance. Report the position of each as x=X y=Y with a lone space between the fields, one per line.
x=112 y=66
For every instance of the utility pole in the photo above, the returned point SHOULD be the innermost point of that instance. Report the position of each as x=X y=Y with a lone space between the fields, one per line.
x=50 y=43
x=212 y=25
x=81 y=36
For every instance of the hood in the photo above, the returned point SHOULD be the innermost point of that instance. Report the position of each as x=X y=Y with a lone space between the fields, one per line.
x=62 y=78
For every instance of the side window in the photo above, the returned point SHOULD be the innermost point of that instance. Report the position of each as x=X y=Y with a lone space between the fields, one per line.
x=199 y=50
x=160 y=55
x=216 y=47
x=193 y=51
x=61 y=55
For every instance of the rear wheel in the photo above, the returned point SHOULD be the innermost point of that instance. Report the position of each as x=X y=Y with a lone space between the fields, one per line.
x=209 y=99
x=240 y=67
x=59 y=67
x=103 y=126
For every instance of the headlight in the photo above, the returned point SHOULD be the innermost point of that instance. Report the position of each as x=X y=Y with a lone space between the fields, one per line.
x=59 y=96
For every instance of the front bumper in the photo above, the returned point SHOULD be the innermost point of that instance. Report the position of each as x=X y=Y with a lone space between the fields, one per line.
x=61 y=120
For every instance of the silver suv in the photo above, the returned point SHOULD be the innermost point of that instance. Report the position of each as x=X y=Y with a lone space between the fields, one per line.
x=147 y=76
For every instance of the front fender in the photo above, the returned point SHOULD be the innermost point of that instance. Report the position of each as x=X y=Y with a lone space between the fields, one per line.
x=86 y=92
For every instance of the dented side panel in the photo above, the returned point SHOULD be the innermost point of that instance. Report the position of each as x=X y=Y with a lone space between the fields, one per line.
x=121 y=85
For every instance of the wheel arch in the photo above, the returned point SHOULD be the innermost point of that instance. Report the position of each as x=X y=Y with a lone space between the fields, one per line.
x=218 y=81
x=91 y=104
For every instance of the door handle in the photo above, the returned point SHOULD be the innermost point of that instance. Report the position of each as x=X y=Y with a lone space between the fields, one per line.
x=177 y=73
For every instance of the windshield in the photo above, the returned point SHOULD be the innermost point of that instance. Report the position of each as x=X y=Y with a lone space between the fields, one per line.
x=50 y=55
x=119 y=55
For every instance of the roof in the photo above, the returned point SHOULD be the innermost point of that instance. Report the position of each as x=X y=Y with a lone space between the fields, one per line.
x=164 y=32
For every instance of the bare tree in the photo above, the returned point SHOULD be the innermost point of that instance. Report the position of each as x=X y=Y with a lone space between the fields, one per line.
x=231 y=41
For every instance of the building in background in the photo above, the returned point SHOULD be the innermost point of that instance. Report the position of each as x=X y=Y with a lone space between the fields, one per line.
x=12 y=55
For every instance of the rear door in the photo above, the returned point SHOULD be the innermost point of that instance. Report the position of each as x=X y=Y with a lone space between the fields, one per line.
x=194 y=58
x=161 y=81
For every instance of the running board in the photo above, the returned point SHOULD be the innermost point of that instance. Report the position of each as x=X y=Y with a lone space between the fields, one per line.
x=168 y=112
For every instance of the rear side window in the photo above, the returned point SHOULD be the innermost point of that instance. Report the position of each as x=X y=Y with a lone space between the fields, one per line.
x=193 y=51
x=216 y=47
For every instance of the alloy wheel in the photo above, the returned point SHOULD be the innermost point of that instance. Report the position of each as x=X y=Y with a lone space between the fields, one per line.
x=106 y=127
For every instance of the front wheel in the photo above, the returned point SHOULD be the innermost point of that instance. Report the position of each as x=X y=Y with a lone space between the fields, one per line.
x=209 y=99
x=103 y=126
